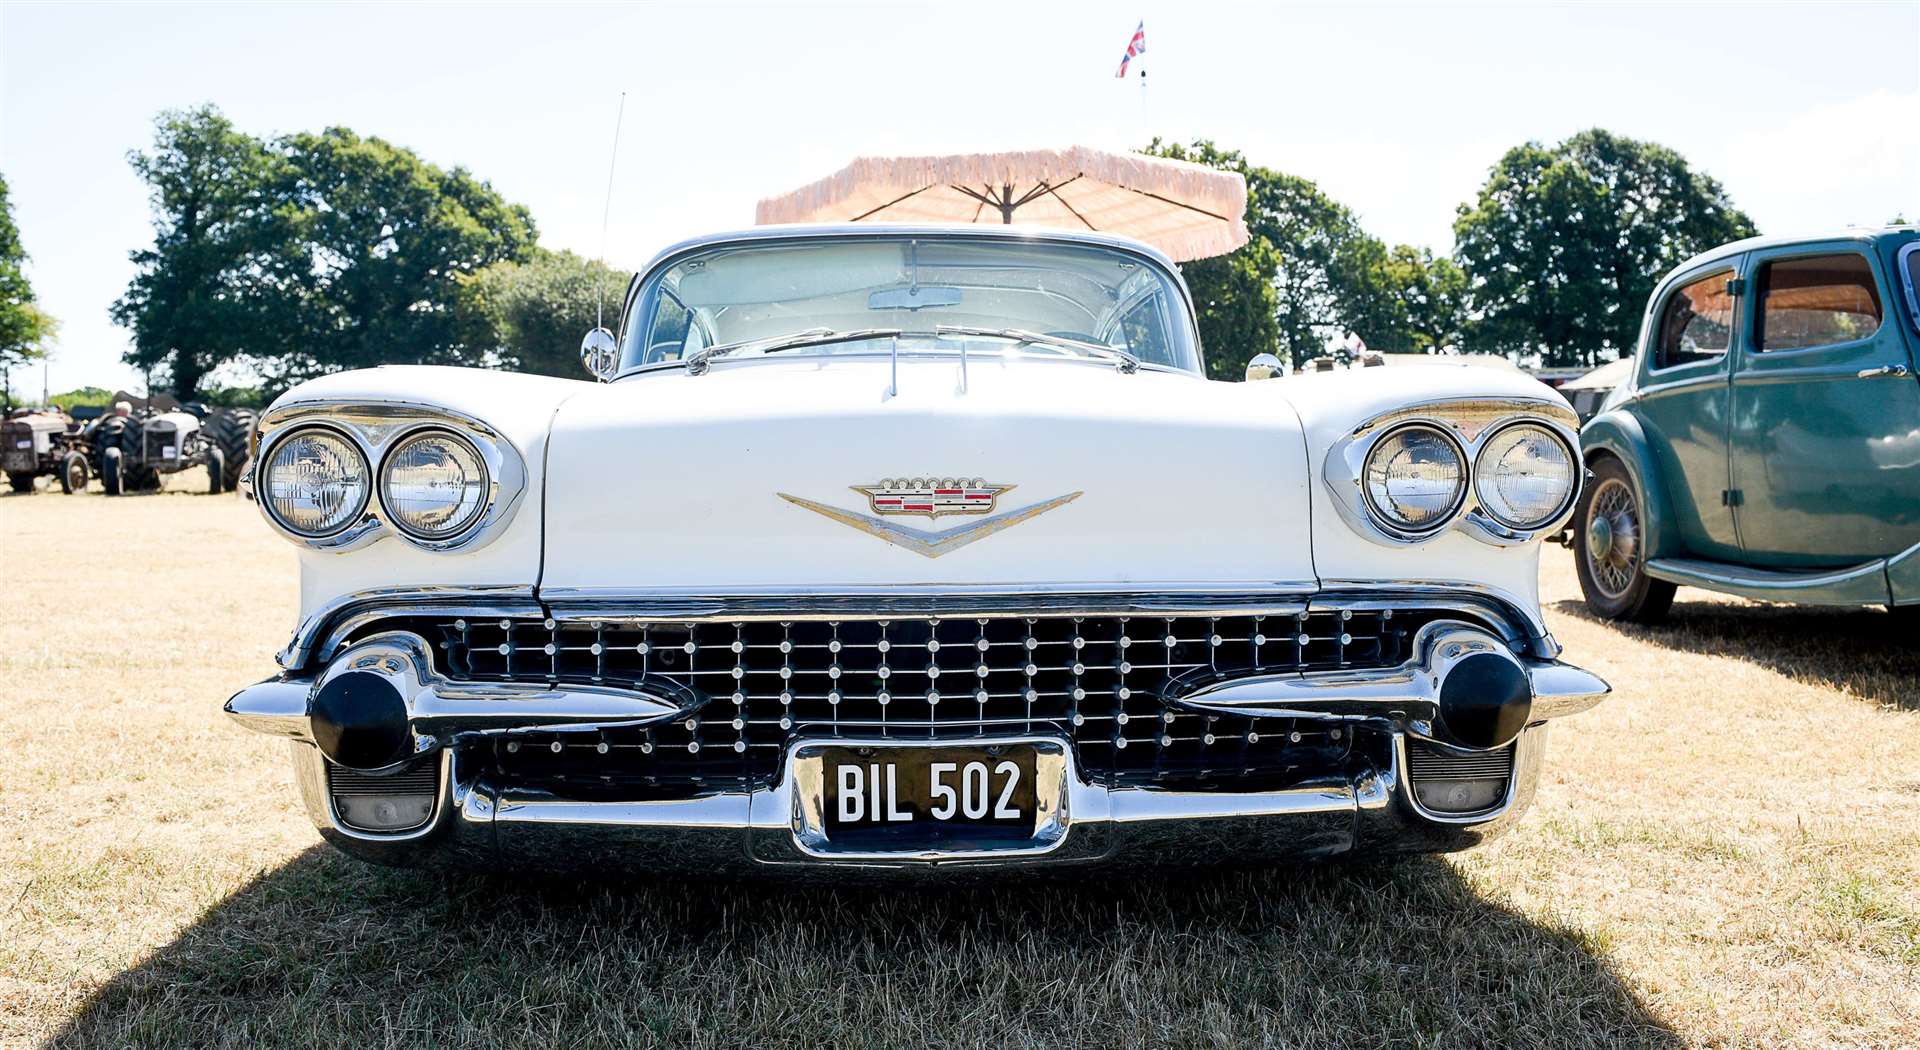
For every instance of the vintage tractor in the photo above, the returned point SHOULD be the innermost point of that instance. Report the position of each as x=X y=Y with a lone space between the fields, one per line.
x=130 y=453
x=41 y=441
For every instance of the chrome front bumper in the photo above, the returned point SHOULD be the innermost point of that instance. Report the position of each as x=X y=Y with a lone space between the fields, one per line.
x=478 y=826
x=1369 y=805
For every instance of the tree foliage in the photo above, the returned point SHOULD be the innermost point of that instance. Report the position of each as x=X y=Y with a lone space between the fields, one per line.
x=1565 y=243
x=25 y=329
x=306 y=254
x=225 y=269
x=1308 y=273
x=532 y=313
x=1432 y=291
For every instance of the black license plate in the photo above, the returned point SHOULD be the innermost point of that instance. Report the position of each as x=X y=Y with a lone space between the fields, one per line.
x=920 y=794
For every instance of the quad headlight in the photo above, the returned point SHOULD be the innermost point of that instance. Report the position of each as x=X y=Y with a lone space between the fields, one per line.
x=316 y=482
x=1524 y=476
x=1415 y=478
x=434 y=485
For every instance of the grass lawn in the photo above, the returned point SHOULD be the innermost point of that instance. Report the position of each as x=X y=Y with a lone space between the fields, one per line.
x=1726 y=853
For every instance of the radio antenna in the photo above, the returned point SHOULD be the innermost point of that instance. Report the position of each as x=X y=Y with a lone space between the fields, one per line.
x=606 y=213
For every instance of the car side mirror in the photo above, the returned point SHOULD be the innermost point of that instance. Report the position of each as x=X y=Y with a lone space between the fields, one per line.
x=600 y=354
x=1264 y=366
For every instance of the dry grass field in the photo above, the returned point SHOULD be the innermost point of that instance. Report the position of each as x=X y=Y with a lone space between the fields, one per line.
x=1727 y=853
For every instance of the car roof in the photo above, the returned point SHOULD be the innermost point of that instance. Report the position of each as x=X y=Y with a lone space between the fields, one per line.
x=1850 y=233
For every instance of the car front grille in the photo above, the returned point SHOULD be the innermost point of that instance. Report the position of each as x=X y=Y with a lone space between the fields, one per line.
x=1101 y=681
x=158 y=438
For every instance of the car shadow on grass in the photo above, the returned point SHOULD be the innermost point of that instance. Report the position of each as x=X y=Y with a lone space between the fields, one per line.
x=1863 y=652
x=326 y=951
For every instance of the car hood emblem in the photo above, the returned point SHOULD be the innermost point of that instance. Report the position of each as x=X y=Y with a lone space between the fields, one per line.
x=931 y=498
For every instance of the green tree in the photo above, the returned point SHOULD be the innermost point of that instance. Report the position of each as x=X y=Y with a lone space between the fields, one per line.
x=1324 y=273
x=533 y=313
x=25 y=329
x=308 y=254
x=389 y=238
x=1565 y=243
x=1433 y=293
x=225 y=269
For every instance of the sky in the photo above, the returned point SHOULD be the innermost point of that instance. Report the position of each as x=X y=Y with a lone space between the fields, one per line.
x=1807 y=112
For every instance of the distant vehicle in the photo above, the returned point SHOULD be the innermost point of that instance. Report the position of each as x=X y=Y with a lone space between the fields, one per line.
x=160 y=436
x=1587 y=391
x=34 y=442
x=1767 y=443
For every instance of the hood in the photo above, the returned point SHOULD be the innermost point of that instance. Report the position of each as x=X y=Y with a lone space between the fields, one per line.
x=754 y=478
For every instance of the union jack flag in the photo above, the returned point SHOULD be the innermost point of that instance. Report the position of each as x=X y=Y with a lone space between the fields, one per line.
x=1136 y=46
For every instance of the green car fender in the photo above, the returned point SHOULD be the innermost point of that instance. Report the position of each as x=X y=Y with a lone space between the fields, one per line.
x=1619 y=433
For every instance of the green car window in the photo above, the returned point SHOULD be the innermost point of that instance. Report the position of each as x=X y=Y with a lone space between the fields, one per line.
x=1697 y=322
x=1817 y=301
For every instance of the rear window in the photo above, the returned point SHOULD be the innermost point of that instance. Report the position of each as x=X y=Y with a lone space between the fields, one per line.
x=1696 y=324
x=1817 y=301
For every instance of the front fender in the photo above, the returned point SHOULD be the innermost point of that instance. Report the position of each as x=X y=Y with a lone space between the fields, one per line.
x=1618 y=432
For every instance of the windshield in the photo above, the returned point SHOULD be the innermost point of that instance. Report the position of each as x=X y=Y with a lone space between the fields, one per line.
x=1072 y=299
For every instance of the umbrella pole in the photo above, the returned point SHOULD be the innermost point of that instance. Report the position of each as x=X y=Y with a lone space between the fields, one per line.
x=1006 y=204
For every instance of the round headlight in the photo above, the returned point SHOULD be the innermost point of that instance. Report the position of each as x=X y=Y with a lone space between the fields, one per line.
x=434 y=485
x=315 y=483
x=1524 y=476
x=1415 y=479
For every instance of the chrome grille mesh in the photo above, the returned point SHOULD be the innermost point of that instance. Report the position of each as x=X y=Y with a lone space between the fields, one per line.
x=1099 y=680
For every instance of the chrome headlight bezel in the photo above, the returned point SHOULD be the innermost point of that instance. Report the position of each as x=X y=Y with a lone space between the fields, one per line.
x=1469 y=423
x=383 y=486
x=1384 y=517
x=376 y=428
x=1481 y=474
x=354 y=521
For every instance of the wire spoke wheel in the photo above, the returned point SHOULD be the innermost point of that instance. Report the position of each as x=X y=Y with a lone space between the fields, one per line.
x=1613 y=538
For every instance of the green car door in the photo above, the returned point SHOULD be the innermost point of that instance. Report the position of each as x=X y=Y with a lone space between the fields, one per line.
x=1825 y=433
x=1682 y=403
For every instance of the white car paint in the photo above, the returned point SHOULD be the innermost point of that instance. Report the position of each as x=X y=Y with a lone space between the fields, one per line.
x=664 y=481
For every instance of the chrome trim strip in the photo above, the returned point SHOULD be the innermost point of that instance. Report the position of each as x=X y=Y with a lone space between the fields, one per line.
x=1854 y=585
x=1470 y=423
x=443 y=712
x=931 y=544
x=1404 y=699
x=376 y=427
x=690 y=605
x=320 y=632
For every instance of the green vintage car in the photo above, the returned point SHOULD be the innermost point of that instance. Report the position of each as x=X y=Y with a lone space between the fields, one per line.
x=1768 y=443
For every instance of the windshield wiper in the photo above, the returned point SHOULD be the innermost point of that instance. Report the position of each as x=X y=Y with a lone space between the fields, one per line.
x=698 y=361
x=1125 y=361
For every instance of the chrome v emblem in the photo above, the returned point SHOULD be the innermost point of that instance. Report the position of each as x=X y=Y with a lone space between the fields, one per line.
x=931 y=544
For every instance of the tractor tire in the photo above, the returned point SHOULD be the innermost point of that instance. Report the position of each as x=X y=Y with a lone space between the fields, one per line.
x=135 y=475
x=231 y=431
x=111 y=459
x=21 y=482
x=216 y=470
x=73 y=473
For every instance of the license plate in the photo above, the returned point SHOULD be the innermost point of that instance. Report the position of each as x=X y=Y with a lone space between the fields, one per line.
x=28 y=443
x=927 y=785
x=915 y=798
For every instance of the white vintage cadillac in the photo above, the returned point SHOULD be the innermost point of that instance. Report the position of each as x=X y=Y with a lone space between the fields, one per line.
x=927 y=549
